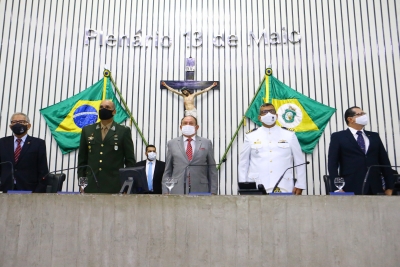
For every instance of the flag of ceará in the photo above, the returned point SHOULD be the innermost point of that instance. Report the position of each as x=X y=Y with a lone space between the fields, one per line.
x=67 y=118
x=296 y=112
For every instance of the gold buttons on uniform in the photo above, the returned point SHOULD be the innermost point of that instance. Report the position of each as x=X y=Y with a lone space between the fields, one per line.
x=270 y=161
x=102 y=145
x=99 y=169
x=101 y=153
x=100 y=161
x=270 y=171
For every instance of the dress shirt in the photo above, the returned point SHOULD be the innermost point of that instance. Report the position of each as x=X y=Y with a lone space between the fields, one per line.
x=193 y=143
x=366 y=140
x=23 y=138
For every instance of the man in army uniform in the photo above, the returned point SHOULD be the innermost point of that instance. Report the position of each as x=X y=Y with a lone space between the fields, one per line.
x=106 y=147
x=268 y=151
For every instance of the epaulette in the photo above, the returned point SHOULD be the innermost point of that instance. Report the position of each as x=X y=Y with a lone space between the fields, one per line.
x=255 y=129
x=288 y=129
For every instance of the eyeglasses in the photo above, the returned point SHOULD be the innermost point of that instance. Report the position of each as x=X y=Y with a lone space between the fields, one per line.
x=265 y=111
x=20 y=122
x=360 y=114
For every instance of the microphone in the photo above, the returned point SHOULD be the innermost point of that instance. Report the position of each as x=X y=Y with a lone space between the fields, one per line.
x=72 y=168
x=280 y=179
x=262 y=189
x=12 y=173
x=369 y=168
x=196 y=165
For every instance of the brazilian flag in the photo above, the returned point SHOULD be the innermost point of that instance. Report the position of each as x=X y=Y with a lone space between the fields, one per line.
x=67 y=118
x=296 y=112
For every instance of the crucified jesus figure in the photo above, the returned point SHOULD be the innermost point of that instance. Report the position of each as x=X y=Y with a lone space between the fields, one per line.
x=188 y=97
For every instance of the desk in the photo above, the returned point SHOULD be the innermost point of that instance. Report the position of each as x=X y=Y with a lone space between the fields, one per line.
x=160 y=230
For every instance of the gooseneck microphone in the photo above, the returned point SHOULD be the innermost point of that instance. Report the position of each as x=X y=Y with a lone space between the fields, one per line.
x=12 y=173
x=72 y=168
x=280 y=179
x=196 y=165
x=369 y=168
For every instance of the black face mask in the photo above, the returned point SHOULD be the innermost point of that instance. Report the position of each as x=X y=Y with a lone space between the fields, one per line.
x=105 y=114
x=19 y=128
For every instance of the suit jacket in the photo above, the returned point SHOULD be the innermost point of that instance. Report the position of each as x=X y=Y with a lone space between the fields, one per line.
x=31 y=167
x=202 y=178
x=157 y=176
x=347 y=160
x=105 y=157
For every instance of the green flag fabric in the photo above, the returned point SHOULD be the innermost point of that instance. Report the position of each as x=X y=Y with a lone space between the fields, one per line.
x=296 y=112
x=67 y=118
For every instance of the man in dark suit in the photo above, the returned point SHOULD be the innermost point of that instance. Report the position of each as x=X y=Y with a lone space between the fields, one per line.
x=28 y=156
x=192 y=155
x=352 y=151
x=106 y=147
x=154 y=169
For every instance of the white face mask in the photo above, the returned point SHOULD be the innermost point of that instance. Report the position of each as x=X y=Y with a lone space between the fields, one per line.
x=269 y=119
x=151 y=156
x=362 y=120
x=188 y=130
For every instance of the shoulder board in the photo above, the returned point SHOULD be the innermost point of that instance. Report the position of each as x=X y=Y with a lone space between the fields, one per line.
x=288 y=129
x=255 y=129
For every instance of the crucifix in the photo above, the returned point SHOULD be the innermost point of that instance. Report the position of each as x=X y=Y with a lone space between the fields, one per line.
x=188 y=87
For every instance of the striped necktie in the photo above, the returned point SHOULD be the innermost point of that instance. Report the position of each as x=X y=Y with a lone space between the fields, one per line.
x=17 y=151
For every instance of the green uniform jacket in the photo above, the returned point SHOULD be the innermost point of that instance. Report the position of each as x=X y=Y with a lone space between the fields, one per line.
x=105 y=157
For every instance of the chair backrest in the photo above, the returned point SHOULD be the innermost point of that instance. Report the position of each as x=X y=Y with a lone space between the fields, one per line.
x=328 y=187
x=55 y=182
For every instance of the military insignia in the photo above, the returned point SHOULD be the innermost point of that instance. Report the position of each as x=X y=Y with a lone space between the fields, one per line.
x=98 y=126
x=258 y=142
x=252 y=130
x=90 y=138
x=115 y=148
x=282 y=141
x=113 y=128
x=115 y=137
x=29 y=143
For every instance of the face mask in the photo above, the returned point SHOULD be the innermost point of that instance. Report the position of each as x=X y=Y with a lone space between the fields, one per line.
x=19 y=129
x=151 y=156
x=268 y=119
x=362 y=120
x=105 y=114
x=188 y=130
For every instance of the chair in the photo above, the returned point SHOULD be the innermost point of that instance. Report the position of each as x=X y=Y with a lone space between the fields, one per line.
x=328 y=187
x=55 y=182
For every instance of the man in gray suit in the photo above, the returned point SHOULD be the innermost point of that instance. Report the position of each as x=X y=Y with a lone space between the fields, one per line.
x=194 y=156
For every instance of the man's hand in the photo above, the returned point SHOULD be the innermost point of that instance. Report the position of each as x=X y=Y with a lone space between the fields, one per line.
x=297 y=191
x=163 y=83
x=388 y=192
x=214 y=84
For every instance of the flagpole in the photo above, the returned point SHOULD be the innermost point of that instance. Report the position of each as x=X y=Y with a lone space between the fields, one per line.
x=237 y=130
x=127 y=109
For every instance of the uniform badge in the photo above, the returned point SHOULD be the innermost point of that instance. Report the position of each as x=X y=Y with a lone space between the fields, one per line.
x=258 y=142
x=113 y=128
x=115 y=137
x=90 y=138
x=282 y=141
x=116 y=147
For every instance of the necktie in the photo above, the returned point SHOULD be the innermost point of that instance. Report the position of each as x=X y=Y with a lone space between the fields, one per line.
x=17 y=150
x=189 y=150
x=360 y=141
x=104 y=133
x=150 y=176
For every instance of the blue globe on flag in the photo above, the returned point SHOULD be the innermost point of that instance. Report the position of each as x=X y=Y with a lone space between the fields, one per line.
x=85 y=115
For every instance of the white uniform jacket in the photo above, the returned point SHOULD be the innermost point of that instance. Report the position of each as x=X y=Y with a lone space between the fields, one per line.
x=267 y=153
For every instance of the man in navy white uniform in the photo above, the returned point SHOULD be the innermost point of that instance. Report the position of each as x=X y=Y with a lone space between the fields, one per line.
x=268 y=152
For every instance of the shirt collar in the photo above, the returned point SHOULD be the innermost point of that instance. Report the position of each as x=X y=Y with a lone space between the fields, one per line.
x=23 y=138
x=274 y=128
x=107 y=125
x=186 y=138
x=354 y=131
